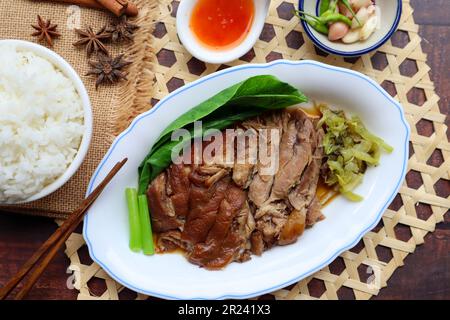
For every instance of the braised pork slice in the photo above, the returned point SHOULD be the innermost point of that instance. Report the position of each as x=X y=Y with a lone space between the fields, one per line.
x=219 y=213
x=170 y=240
x=260 y=189
x=298 y=141
x=257 y=242
x=302 y=197
x=293 y=228
x=204 y=207
x=282 y=216
x=314 y=213
x=244 y=225
x=179 y=187
x=222 y=242
x=245 y=160
x=161 y=206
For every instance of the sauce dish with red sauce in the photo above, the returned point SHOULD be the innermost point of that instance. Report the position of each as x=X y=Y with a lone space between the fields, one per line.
x=220 y=31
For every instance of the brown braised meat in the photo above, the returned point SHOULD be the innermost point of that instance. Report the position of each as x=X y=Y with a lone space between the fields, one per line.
x=219 y=212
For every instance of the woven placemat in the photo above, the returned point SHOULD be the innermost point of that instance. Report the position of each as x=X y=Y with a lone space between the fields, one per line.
x=112 y=106
x=362 y=271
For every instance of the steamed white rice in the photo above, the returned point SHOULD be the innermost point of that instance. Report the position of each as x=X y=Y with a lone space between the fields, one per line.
x=41 y=123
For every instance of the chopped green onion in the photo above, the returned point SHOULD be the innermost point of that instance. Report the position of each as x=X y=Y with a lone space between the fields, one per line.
x=146 y=227
x=133 y=218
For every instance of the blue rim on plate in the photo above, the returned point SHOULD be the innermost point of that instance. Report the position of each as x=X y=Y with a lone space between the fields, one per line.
x=94 y=180
x=358 y=53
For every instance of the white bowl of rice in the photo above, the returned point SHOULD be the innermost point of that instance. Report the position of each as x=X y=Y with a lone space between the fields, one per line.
x=45 y=121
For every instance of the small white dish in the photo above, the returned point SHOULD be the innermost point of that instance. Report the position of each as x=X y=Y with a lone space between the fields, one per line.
x=68 y=71
x=198 y=50
x=171 y=276
x=390 y=13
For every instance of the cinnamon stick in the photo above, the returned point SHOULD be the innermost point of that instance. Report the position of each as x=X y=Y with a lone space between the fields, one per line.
x=119 y=7
x=82 y=3
x=130 y=10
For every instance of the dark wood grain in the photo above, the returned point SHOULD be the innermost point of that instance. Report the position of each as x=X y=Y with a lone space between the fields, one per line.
x=35 y=266
x=20 y=237
x=426 y=273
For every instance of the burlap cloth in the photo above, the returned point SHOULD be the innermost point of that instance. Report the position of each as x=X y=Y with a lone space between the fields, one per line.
x=113 y=106
x=358 y=273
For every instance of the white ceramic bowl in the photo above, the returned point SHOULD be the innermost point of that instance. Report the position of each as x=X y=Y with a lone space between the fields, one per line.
x=205 y=54
x=391 y=11
x=68 y=71
x=106 y=227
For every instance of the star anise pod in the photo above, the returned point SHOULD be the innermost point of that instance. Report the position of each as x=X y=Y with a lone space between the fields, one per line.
x=45 y=30
x=122 y=29
x=108 y=69
x=92 y=40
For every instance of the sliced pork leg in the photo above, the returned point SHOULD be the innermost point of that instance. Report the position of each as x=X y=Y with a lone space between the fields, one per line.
x=204 y=205
x=161 y=206
x=221 y=243
x=261 y=185
x=221 y=212
x=178 y=176
x=314 y=213
x=302 y=196
x=289 y=174
x=293 y=228
x=260 y=188
x=170 y=240
x=257 y=242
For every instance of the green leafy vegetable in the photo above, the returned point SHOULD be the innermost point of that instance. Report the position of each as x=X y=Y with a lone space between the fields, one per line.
x=146 y=227
x=236 y=103
x=350 y=148
x=134 y=221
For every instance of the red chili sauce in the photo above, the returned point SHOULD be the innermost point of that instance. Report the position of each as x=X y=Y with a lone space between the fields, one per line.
x=222 y=24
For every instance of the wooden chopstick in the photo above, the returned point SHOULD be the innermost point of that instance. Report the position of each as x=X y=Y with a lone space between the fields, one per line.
x=55 y=242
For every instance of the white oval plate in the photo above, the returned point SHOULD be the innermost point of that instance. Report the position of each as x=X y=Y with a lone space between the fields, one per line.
x=171 y=275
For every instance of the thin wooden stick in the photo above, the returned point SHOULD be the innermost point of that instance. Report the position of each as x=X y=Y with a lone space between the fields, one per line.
x=55 y=242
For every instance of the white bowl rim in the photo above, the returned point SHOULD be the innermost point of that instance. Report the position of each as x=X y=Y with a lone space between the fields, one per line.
x=357 y=53
x=69 y=72
x=188 y=40
x=332 y=257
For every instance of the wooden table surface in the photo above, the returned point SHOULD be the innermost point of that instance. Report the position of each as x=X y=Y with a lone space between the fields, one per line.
x=426 y=274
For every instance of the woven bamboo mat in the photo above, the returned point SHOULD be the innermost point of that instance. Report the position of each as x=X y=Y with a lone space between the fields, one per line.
x=362 y=271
